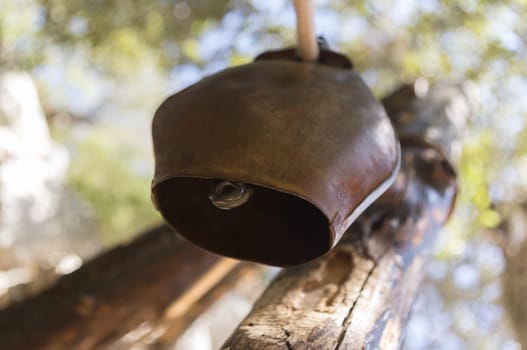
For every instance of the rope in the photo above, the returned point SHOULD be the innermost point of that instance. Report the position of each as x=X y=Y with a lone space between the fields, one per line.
x=305 y=30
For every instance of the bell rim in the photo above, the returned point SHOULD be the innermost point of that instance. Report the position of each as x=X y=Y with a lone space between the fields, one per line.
x=336 y=232
x=373 y=195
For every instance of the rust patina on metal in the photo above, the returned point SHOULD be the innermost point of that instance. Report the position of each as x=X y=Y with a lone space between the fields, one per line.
x=311 y=140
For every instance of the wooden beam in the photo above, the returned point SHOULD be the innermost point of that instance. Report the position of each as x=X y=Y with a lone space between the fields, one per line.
x=245 y=278
x=359 y=296
x=124 y=289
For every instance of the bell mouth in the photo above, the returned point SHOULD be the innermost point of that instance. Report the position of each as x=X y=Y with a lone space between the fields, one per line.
x=272 y=227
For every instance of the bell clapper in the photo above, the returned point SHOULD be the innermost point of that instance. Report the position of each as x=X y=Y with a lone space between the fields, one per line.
x=228 y=195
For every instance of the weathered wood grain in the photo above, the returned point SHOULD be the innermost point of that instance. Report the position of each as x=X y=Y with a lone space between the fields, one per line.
x=125 y=289
x=359 y=296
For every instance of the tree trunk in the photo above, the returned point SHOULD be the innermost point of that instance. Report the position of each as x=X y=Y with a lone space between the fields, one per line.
x=514 y=280
x=359 y=296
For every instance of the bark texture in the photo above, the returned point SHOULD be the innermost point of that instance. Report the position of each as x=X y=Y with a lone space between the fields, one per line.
x=514 y=234
x=359 y=296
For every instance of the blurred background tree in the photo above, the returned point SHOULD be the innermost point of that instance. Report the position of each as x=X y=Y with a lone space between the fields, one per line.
x=102 y=67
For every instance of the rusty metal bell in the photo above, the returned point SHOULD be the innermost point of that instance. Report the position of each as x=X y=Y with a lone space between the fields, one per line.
x=273 y=160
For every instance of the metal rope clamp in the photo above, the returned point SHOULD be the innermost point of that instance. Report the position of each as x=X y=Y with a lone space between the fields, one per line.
x=273 y=160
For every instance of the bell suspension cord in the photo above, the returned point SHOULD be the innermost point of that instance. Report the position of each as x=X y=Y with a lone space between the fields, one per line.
x=307 y=45
x=226 y=194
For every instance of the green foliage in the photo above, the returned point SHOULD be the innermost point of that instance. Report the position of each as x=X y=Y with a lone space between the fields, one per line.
x=475 y=168
x=19 y=33
x=128 y=31
x=100 y=172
